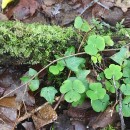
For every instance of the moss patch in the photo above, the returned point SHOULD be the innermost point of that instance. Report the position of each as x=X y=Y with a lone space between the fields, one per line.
x=33 y=43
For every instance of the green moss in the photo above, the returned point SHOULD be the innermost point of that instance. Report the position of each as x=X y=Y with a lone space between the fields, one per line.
x=33 y=43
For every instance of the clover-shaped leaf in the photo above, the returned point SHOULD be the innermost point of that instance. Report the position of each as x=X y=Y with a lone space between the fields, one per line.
x=95 y=43
x=96 y=58
x=113 y=71
x=34 y=84
x=125 y=106
x=66 y=86
x=72 y=87
x=78 y=86
x=56 y=69
x=96 y=91
x=110 y=86
x=125 y=89
x=108 y=40
x=100 y=104
x=48 y=93
x=32 y=72
x=85 y=27
x=80 y=24
x=72 y=96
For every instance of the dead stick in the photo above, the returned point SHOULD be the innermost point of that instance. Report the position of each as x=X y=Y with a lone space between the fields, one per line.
x=120 y=112
x=28 y=115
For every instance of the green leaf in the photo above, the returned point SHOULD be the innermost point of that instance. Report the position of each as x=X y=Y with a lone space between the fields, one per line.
x=85 y=27
x=54 y=70
x=25 y=79
x=60 y=67
x=101 y=104
x=73 y=63
x=94 y=59
x=80 y=101
x=113 y=71
x=96 y=91
x=70 y=51
x=109 y=86
x=48 y=93
x=126 y=70
x=95 y=43
x=34 y=84
x=125 y=106
x=72 y=96
x=66 y=86
x=125 y=89
x=91 y=49
x=78 y=86
x=108 y=40
x=32 y=72
x=121 y=56
x=78 y=22
x=82 y=74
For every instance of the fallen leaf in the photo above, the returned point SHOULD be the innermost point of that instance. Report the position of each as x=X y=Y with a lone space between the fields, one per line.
x=44 y=116
x=10 y=102
x=104 y=119
x=23 y=10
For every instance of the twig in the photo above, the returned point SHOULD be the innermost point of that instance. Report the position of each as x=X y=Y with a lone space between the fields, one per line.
x=120 y=112
x=61 y=97
x=81 y=53
x=114 y=83
x=89 y=6
x=28 y=115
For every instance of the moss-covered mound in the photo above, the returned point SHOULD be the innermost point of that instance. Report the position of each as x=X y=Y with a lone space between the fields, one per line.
x=33 y=43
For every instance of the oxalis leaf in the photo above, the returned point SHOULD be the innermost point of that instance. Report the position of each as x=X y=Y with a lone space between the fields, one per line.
x=34 y=84
x=125 y=89
x=95 y=43
x=72 y=96
x=48 y=93
x=121 y=56
x=108 y=40
x=113 y=71
x=56 y=69
x=125 y=106
x=78 y=22
x=74 y=63
x=126 y=70
x=32 y=72
x=72 y=87
x=100 y=104
x=96 y=91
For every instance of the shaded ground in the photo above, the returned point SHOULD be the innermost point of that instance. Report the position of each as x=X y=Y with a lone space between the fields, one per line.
x=28 y=109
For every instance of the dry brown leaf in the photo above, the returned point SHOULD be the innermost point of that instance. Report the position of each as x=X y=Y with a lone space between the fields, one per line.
x=123 y=4
x=7 y=118
x=10 y=102
x=23 y=10
x=44 y=116
x=104 y=119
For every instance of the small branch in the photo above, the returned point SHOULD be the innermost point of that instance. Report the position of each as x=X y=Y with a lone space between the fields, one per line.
x=114 y=83
x=120 y=112
x=81 y=53
x=89 y=6
x=28 y=115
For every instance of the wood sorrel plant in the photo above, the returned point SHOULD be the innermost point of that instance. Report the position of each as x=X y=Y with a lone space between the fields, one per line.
x=113 y=79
